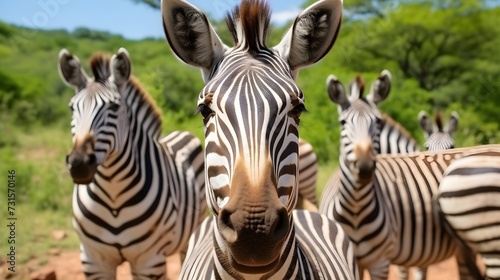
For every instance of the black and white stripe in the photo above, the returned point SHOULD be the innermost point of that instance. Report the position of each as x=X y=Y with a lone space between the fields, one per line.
x=384 y=202
x=438 y=136
x=308 y=172
x=251 y=108
x=469 y=200
x=137 y=197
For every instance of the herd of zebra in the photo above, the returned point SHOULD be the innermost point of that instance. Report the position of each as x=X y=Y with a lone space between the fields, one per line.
x=139 y=197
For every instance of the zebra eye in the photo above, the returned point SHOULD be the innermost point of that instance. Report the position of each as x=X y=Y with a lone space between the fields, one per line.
x=297 y=111
x=114 y=106
x=342 y=122
x=204 y=110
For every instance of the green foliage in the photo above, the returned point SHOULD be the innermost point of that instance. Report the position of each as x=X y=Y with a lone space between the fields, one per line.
x=453 y=51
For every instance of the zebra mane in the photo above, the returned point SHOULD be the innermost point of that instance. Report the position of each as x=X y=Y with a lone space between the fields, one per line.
x=249 y=24
x=145 y=97
x=390 y=121
x=438 y=118
x=356 y=88
x=99 y=64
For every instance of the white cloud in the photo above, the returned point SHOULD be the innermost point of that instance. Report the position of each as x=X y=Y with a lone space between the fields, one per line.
x=281 y=17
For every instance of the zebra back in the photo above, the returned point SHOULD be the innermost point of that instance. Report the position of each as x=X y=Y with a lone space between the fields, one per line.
x=469 y=202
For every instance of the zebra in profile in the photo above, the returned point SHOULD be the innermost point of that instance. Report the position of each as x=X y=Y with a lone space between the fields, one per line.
x=251 y=109
x=384 y=202
x=137 y=197
x=438 y=136
x=469 y=201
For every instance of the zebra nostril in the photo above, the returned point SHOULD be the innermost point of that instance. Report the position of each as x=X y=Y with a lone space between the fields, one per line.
x=92 y=159
x=226 y=226
x=282 y=224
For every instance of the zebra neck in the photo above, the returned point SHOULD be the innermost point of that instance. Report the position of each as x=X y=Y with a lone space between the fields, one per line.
x=354 y=198
x=288 y=266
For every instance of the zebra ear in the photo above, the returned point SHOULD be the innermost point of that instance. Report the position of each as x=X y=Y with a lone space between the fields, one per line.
x=336 y=92
x=380 y=88
x=71 y=71
x=312 y=34
x=190 y=35
x=424 y=122
x=121 y=67
x=452 y=125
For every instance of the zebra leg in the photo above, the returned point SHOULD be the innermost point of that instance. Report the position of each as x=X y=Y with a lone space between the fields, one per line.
x=403 y=273
x=149 y=267
x=467 y=265
x=379 y=271
x=492 y=262
x=96 y=265
x=420 y=273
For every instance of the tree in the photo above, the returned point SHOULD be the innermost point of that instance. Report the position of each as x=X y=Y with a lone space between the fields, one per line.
x=155 y=4
x=427 y=43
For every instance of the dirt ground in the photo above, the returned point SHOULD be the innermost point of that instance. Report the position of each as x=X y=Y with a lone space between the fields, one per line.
x=66 y=266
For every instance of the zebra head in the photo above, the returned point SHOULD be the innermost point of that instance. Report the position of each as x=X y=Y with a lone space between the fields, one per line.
x=251 y=107
x=438 y=136
x=360 y=119
x=97 y=109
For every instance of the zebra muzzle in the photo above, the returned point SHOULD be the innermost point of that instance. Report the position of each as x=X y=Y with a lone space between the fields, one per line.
x=82 y=167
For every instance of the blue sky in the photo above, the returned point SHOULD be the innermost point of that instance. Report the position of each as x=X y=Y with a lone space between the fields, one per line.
x=125 y=17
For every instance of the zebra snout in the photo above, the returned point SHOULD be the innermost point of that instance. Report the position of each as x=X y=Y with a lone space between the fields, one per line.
x=254 y=235
x=82 y=167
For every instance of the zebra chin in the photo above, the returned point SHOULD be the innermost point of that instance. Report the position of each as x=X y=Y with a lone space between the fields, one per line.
x=253 y=267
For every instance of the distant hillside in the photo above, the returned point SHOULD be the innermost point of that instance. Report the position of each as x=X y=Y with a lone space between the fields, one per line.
x=32 y=94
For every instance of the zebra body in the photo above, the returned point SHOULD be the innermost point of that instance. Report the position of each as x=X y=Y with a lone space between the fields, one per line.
x=251 y=109
x=308 y=172
x=384 y=202
x=469 y=200
x=137 y=197
x=438 y=137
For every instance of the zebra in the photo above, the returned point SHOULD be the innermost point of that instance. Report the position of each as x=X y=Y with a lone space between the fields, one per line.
x=394 y=139
x=438 y=137
x=137 y=197
x=251 y=109
x=308 y=174
x=469 y=201
x=384 y=202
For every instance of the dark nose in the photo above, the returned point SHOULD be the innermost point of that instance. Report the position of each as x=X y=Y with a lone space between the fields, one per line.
x=254 y=233
x=82 y=163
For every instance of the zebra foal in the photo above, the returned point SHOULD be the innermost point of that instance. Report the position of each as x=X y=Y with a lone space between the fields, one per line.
x=136 y=197
x=384 y=202
x=251 y=107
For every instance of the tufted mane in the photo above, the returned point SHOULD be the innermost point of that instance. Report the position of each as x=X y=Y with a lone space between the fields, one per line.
x=249 y=24
x=439 y=121
x=99 y=64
